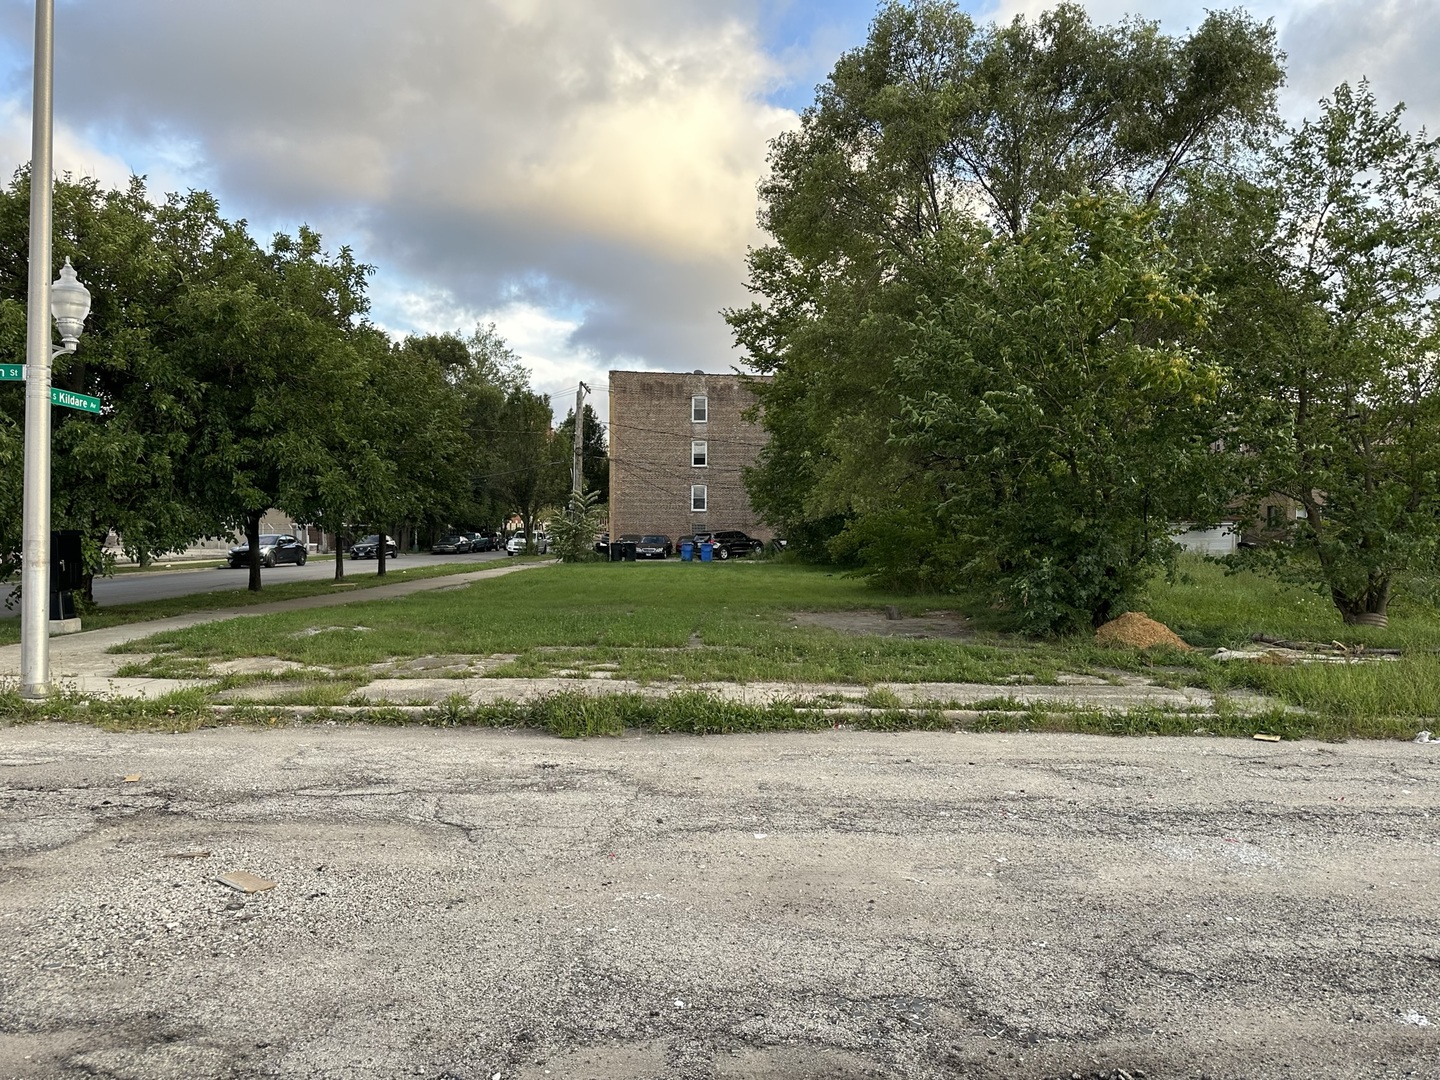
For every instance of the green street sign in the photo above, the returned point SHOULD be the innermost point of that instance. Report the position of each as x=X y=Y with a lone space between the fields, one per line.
x=12 y=372
x=68 y=400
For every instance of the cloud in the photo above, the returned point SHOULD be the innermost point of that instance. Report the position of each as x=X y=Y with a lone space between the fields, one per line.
x=74 y=153
x=1392 y=42
x=1327 y=42
x=598 y=157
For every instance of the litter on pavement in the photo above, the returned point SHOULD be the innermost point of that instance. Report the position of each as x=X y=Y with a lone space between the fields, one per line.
x=244 y=881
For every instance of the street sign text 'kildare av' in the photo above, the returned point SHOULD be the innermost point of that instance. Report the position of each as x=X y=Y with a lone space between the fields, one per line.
x=83 y=402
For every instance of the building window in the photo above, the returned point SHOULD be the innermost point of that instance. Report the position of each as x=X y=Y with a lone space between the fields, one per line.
x=699 y=454
x=1274 y=517
x=1301 y=514
x=698 y=498
x=699 y=409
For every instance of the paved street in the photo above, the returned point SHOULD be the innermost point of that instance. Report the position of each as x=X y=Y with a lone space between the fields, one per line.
x=465 y=904
x=166 y=584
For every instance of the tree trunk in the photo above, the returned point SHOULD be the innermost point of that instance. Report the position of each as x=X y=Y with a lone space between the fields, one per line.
x=339 y=558
x=252 y=537
x=380 y=556
x=1368 y=609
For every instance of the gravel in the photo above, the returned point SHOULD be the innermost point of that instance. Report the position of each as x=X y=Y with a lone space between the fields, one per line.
x=469 y=904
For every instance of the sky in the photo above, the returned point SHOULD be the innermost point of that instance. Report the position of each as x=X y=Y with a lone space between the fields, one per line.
x=582 y=173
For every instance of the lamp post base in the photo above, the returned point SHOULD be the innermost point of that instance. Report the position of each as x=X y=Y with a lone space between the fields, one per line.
x=59 y=627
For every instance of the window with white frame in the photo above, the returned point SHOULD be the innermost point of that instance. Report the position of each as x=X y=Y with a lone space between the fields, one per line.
x=699 y=453
x=699 y=498
x=699 y=409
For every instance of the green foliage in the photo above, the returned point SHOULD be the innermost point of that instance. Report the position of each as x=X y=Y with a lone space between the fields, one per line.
x=1331 y=273
x=936 y=154
x=596 y=457
x=1057 y=422
x=572 y=534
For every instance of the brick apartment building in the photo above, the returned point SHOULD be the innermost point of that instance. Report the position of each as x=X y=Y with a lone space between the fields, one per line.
x=678 y=443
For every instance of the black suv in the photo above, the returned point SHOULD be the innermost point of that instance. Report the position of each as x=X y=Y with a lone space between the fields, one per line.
x=365 y=548
x=728 y=542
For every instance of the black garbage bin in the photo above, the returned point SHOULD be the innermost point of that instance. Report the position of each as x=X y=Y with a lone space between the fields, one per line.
x=629 y=547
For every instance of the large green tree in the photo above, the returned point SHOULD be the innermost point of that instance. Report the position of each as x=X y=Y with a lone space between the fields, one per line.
x=1330 y=269
x=935 y=127
x=1052 y=423
x=120 y=471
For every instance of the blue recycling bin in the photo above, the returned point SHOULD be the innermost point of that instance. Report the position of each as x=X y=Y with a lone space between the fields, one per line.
x=707 y=551
x=687 y=551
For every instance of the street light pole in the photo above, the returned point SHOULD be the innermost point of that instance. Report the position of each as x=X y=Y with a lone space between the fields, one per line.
x=35 y=571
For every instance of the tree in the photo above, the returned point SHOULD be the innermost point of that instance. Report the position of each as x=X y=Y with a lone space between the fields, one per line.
x=119 y=471
x=263 y=336
x=932 y=128
x=1331 y=269
x=596 y=458
x=1052 y=422
x=532 y=469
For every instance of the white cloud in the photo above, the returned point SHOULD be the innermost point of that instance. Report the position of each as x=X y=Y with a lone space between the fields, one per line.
x=598 y=158
x=74 y=154
x=1393 y=42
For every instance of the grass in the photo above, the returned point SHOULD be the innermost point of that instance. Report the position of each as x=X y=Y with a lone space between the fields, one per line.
x=733 y=622
x=654 y=622
x=568 y=715
x=145 y=611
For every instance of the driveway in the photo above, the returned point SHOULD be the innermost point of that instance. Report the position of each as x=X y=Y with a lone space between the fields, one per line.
x=467 y=904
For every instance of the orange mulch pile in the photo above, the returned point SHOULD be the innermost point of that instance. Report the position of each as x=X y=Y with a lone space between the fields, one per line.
x=1138 y=629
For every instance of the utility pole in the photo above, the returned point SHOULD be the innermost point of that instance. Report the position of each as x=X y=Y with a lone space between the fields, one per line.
x=577 y=467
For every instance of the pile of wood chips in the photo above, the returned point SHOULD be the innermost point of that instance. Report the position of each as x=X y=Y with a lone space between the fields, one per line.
x=1137 y=629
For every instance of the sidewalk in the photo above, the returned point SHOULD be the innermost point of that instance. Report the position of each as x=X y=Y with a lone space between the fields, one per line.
x=82 y=663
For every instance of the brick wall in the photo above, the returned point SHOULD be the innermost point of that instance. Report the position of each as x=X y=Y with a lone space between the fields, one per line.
x=651 y=470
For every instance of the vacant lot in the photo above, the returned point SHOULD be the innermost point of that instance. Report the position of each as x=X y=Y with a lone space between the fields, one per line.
x=467 y=904
x=745 y=622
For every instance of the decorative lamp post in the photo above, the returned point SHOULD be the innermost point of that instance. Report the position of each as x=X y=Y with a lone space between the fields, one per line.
x=69 y=302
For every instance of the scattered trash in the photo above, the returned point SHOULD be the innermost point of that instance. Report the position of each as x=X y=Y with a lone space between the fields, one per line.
x=133 y=778
x=1139 y=630
x=199 y=853
x=761 y=835
x=246 y=882
x=1265 y=736
x=1333 y=647
x=1423 y=736
x=1416 y=1019
x=679 y=1004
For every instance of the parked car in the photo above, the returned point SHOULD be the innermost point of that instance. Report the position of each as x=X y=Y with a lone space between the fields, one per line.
x=654 y=547
x=275 y=548
x=365 y=547
x=516 y=545
x=730 y=542
x=481 y=542
x=454 y=544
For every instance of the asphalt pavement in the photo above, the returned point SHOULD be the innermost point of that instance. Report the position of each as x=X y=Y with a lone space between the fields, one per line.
x=468 y=904
x=167 y=584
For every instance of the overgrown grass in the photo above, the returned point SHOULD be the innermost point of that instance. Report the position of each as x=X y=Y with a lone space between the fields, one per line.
x=733 y=622
x=728 y=622
x=571 y=716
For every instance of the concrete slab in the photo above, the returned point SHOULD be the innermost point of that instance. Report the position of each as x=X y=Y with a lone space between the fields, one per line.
x=1104 y=698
